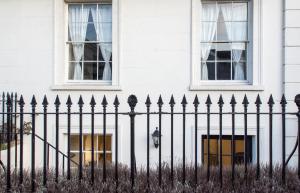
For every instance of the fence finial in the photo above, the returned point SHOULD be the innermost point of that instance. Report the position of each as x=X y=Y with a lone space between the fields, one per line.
x=33 y=101
x=93 y=102
x=80 y=102
x=172 y=101
x=184 y=102
x=69 y=101
x=104 y=101
x=57 y=102
x=21 y=102
x=221 y=102
x=297 y=100
x=208 y=101
x=148 y=101
x=45 y=101
x=258 y=101
x=271 y=101
x=233 y=101
x=283 y=101
x=160 y=101
x=116 y=101
x=245 y=101
x=132 y=101
x=196 y=101
x=8 y=100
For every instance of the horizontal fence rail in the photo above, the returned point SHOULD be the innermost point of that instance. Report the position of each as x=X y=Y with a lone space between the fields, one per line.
x=14 y=128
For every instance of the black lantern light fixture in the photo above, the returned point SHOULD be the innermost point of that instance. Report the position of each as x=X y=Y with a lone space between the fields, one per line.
x=155 y=137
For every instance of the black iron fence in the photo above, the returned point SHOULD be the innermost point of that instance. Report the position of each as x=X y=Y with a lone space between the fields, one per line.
x=12 y=106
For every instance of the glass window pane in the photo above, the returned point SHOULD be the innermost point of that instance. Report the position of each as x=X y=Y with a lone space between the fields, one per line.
x=211 y=70
x=239 y=31
x=226 y=160
x=205 y=8
x=225 y=11
x=74 y=142
x=223 y=70
x=239 y=71
x=90 y=52
x=75 y=158
x=87 y=143
x=226 y=147
x=90 y=71
x=224 y=31
x=91 y=32
x=223 y=51
x=71 y=53
x=101 y=158
x=87 y=158
x=240 y=11
x=206 y=37
x=107 y=142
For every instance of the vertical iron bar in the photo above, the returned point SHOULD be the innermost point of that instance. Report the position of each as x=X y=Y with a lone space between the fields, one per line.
x=80 y=103
x=8 y=125
x=208 y=103
x=132 y=101
x=221 y=103
x=148 y=103
x=2 y=138
x=116 y=104
x=184 y=103
x=172 y=103
x=16 y=134
x=297 y=101
x=57 y=103
x=196 y=104
x=160 y=103
x=233 y=103
x=33 y=104
x=258 y=103
x=69 y=104
x=245 y=103
x=104 y=104
x=271 y=103
x=283 y=110
x=45 y=104
x=21 y=103
x=93 y=103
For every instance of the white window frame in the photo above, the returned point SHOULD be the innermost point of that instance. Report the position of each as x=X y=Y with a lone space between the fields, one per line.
x=61 y=52
x=254 y=69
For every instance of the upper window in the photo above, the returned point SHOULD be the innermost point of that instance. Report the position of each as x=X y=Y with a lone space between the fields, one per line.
x=90 y=42
x=224 y=40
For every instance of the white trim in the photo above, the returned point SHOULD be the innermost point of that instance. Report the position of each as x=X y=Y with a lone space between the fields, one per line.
x=254 y=73
x=60 y=73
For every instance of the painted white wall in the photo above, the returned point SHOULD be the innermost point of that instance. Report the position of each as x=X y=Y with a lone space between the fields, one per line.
x=154 y=49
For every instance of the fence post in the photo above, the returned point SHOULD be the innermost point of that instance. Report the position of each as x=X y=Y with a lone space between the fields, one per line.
x=132 y=101
x=148 y=104
x=271 y=103
x=297 y=101
x=80 y=103
x=196 y=104
x=21 y=103
x=233 y=103
x=8 y=126
x=104 y=104
x=172 y=104
x=69 y=104
x=283 y=107
x=160 y=103
x=116 y=104
x=33 y=104
x=245 y=103
x=221 y=103
x=57 y=104
x=93 y=103
x=258 y=103
x=208 y=104
x=45 y=105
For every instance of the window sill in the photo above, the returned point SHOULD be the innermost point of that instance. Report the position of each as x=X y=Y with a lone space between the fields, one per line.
x=85 y=87
x=223 y=87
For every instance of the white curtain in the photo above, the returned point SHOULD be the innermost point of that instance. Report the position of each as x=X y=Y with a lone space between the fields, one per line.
x=103 y=25
x=210 y=14
x=78 y=19
x=236 y=31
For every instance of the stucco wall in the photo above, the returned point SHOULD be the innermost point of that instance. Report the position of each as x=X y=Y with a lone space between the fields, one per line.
x=154 y=57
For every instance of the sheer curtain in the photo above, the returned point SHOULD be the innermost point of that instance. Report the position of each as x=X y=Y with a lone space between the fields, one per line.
x=78 y=19
x=210 y=14
x=236 y=31
x=103 y=25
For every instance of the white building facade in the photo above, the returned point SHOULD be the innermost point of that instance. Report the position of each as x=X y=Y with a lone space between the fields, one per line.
x=149 y=47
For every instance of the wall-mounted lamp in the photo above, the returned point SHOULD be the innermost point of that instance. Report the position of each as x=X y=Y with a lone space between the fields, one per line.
x=155 y=137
